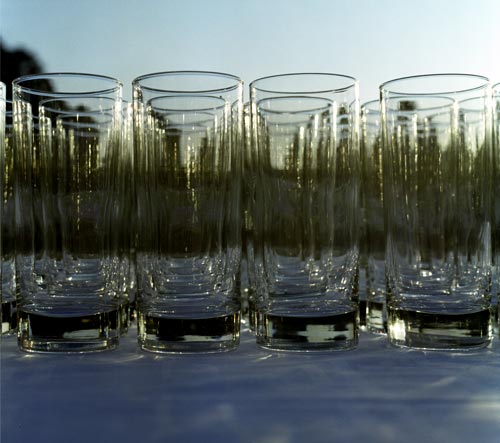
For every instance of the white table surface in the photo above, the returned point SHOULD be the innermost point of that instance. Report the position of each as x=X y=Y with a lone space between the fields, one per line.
x=375 y=393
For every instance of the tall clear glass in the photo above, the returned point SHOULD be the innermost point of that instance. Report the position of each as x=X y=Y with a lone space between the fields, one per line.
x=306 y=133
x=437 y=140
x=496 y=206
x=188 y=164
x=372 y=203
x=127 y=240
x=248 y=276
x=65 y=302
x=7 y=291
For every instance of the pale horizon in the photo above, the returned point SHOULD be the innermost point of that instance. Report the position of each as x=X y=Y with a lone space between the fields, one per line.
x=373 y=41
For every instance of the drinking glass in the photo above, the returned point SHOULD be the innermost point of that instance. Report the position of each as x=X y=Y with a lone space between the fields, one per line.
x=7 y=293
x=306 y=133
x=248 y=283
x=437 y=141
x=372 y=192
x=66 y=301
x=188 y=172
x=496 y=205
x=126 y=219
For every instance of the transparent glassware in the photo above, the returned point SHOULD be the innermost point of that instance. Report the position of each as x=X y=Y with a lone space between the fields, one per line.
x=67 y=131
x=127 y=219
x=306 y=219
x=248 y=275
x=496 y=207
x=188 y=161
x=8 y=315
x=372 y=204
x=8 y=291
x=437 y=179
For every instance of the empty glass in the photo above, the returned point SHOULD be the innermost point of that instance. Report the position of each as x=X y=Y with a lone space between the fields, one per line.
x=248 y=283
x=437 y=178
x=372 y=198
x=68 y=137
x=8 y=293
x=305 y=129
x=188 y=172
x=496 y=205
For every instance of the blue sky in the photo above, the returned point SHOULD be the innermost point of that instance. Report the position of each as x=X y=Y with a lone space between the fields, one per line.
x=372 y=40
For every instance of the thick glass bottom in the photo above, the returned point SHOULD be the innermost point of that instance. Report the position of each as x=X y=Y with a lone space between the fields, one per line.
x=8 y=316
x=170 y=334
x=376 y=317
x=124 y=308
x=496 y=320
x=252 y=312
x=437 y=331
x=362 y=312
x=89 y=332
x=307 y=332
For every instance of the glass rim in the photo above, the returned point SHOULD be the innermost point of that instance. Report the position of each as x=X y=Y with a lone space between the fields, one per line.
x=139 y=81
x=354 y=83
x=114 y=104
x=327 y=104
x=18 y=83
x=64 y=118
x=486 y=83
x=368 y=105
x=444 y=103
x=152 y=103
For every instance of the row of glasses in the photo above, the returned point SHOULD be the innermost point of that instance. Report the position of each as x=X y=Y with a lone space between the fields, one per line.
x=186 y=197
x=85 y=245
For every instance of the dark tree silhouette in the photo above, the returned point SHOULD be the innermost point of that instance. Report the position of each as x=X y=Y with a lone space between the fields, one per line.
x=15 y=63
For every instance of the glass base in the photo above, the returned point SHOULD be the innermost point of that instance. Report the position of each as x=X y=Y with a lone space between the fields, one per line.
x=307 y=332
x=248 y=310
x=496 y=321
x=252 y=313
x=124 y=316
x=39 y=332
x=362 y=314
x=436 y=331
x=376 y=317
x=167 y=334
x=8 y=316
